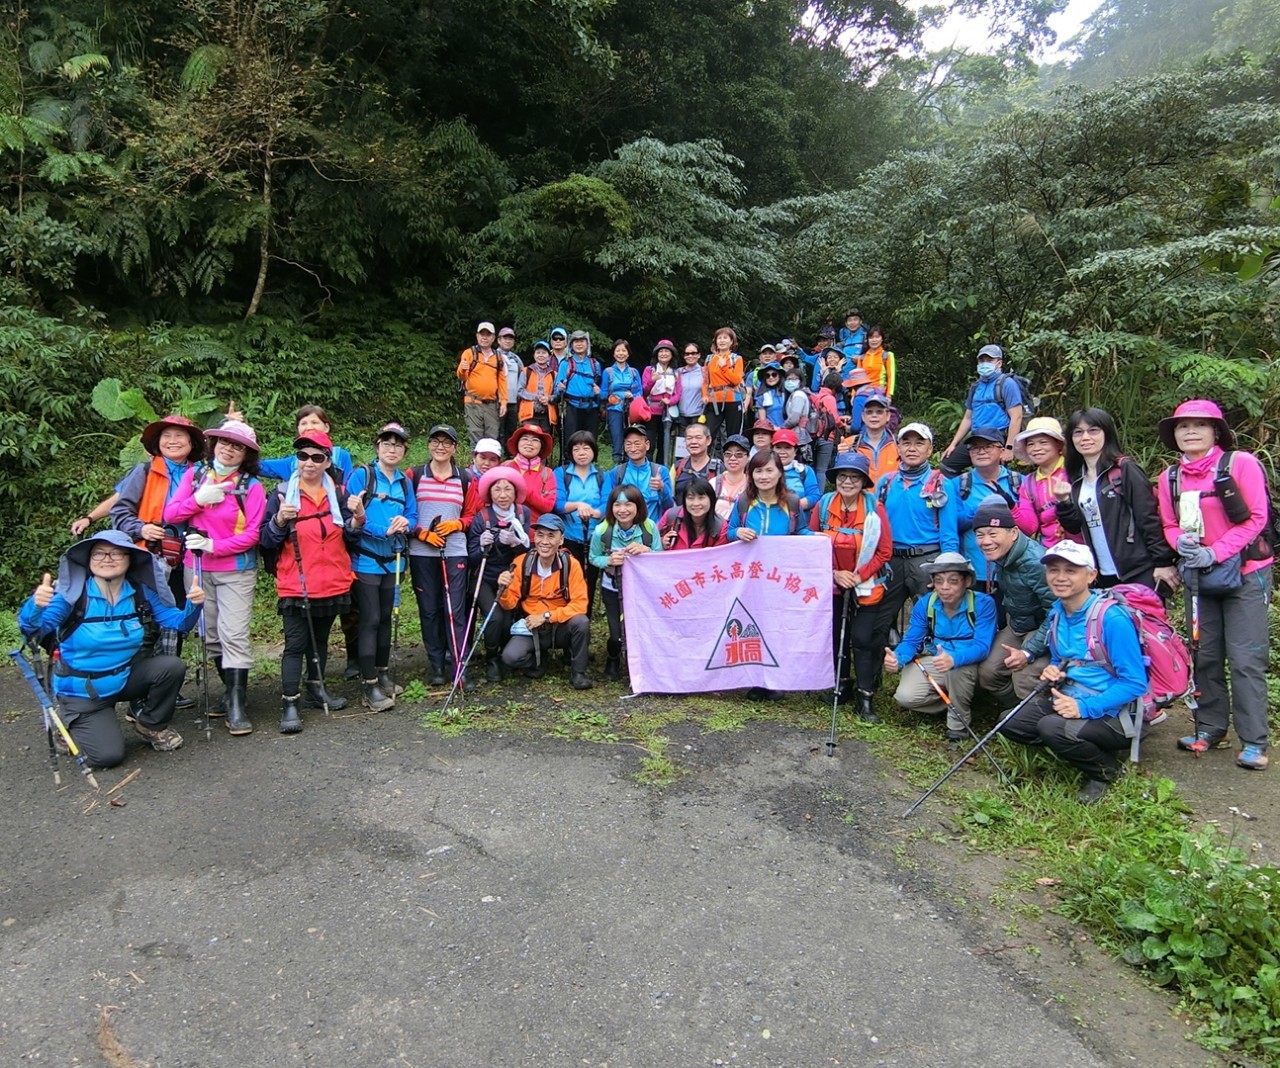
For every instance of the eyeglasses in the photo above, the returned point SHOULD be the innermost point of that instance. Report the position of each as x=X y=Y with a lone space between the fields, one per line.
x=109 y=554
x=1086 y=431
x=395 y=443
x=237 y=446
x=313 y=457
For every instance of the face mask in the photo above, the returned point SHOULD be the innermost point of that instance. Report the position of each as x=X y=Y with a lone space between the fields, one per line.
x=222 y=470
x=987 y=369
x=792 y=385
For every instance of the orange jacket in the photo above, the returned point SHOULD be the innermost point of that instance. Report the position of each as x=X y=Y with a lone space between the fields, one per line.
x=883 y=463
x=537 y=382
x=881 y=368
x=484 y=378
x=545 y=595
x=722 y=378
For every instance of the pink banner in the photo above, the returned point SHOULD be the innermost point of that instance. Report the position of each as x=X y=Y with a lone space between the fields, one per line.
x=746 y=614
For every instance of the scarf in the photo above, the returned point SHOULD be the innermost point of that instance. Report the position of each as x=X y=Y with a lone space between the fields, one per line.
x=293 y=495
x=511 y=517
x=1190 y=517
x=524 y=464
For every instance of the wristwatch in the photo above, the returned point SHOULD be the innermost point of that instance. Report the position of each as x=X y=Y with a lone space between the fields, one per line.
x=546 y=617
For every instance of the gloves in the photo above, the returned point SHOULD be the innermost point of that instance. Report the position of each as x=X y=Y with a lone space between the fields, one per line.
x=1201 y=557
x=447 y=526
x=210 y=493
x=486 y=541
x=1187 y=543
x=430 y=537
x=508 y=536
x=199 y=543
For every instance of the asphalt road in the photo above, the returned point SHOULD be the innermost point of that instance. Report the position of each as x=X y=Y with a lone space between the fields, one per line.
x=369 y=894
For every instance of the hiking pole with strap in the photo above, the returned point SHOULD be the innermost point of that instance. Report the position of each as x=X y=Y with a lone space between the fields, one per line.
x=49 y=712
x=306 y=611
x=198 y=560
x=946 y=700
x=1193 y=691
x=475 y=604
x=399 y=541
x=1041 y=687
x=453 y=634
x=470 y=653
x=835 y=697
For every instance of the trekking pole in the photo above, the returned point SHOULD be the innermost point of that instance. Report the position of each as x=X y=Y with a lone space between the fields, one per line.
x=399 y=540
x=1041 y=687
x=475 y=604
x=1193 y=691
x=946 y=700
x=453 y=634
x=835 y=696
x=314 y=657
x=470 y=653
x=49 y=712
x=198 y=560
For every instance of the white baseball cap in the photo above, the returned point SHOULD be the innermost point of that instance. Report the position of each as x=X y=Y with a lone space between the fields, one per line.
x=1072 y=552
x=916 y=428
x=489 y=445
x=485 y=327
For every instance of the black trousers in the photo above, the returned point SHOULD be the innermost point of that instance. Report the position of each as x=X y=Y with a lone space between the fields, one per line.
x=730 y=415
x=375 y=594
x=153 y=680
x=864 y=642
x=578 y=550
x=573 y=419
x=1091 y=745
x=433 y=606
x=575 y=636
x=499 y=627
x=297 y=644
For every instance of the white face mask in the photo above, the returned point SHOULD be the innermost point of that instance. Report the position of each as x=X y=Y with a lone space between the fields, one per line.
x=792 y=385
x=987 y=369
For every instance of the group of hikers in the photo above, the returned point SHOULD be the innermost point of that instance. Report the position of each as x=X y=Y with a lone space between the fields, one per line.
x=1014 y=548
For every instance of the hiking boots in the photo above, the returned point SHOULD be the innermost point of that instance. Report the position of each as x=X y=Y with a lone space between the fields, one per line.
x=865 y=712
x=1253 y=757
x=391 y=689
x=319 y=697
x=352 y=670
x=374 y=699
x=493 y=669
x=1092 y=791
x=164 y=740
x=1202 y=742
x=238 y=700
x=183 y=701
x=579 y=681
x=290 y=719
x=613 y=660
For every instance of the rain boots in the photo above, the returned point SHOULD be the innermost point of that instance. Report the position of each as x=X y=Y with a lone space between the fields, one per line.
x=613 y=660
x=319 y=697
x=391 y=689
x=290 y=720
x=865 y=712
x=374 y=698
x=238 y=700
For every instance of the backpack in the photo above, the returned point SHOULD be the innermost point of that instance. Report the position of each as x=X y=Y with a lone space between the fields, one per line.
x=793 y=510
x=1015 y=480
x=526 y=575
x=566 y=472
x=820 y=423
x=1227 y=491
x=648 y=529
x=463 y=475
x=141 y=612
x=370 y=481
x=1030 y=402
x=1163 y=651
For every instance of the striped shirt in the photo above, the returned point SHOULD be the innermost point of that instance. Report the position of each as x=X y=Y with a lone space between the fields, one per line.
x=439 y=499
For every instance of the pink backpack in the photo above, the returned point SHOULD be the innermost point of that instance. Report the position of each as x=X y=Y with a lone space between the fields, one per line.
x=1163 y=650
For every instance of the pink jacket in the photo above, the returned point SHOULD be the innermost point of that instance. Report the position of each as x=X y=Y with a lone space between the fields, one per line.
x=1224 y=537
x=1035 y=513
x=233 y=523
x=673 y=399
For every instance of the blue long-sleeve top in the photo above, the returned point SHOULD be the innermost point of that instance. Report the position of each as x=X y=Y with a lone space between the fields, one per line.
x=764 y=519
x=391 y=497
x=967 y=641
x=577 y=378
x=771 y=403
x=912 y=519
x=967 y=507
x=1098 y=692
x=283 y=467
x=638 y=475
x=571 y=488
x=803 y=483
x=853 y=342
x=623 y=382
x=108 y=637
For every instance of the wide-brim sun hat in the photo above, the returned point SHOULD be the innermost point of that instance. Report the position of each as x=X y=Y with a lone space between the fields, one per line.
x=1197 y=409
x=152 y=431
x=144 y=568
x=502 y=474
x=545 y=439
x=1041 y=426
x=241 y=433
x=948 y=562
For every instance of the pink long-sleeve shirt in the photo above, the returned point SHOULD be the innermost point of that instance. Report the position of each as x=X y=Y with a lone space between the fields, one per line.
x=1220 y=534
x=234 y=531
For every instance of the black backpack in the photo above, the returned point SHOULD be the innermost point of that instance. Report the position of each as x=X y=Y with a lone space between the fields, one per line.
x=1015 y=480
x=526 y=575
x=141 y=612
x=1030 y=402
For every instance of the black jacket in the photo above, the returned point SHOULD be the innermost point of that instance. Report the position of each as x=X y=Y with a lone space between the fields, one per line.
x=1130 y=520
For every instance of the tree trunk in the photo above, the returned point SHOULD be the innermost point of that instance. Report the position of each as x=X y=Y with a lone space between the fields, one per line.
x=264 y=242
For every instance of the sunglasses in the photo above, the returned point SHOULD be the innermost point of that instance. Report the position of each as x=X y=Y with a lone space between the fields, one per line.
x=313 y=457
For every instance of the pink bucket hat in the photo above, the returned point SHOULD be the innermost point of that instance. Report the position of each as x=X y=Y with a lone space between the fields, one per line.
x=242 y=433
x=1197 y=409
x=502 y=474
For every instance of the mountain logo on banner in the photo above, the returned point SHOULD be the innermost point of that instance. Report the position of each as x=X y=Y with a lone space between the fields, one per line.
x=740 y=643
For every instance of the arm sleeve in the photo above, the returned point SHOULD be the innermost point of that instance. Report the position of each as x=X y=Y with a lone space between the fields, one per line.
x=272 y=535
x=1068 y=511
x=949 y=524
x=255 y=508
x=280 y=468
x=884 y=551
x=34 y=622
x=180 y=619
x=124 y=513
x=510 y=597
x=596 y=553
x=1142 y=502
x=1168 y=509
x=577 y=605
x=913 y=641
x=1025 y=512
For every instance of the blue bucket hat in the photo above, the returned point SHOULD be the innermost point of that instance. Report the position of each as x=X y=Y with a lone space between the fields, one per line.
x=850 y=461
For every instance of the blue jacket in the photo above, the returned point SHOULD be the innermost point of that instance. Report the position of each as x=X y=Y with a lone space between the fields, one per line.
x=968 y=641
x=623 y=382
x=1099 y=692
x=376 y=552
x=576 y=379
x=763 y=519
x=107 y=639
x=853 y=342
x=572 y=488
x=628 y=474
x=804 y=484
x=912 y=519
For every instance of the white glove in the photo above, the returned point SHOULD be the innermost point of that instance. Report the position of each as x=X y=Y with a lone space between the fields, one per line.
x=199 y=543
x=486 y=540
x=508 y=536
x=210 y=493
